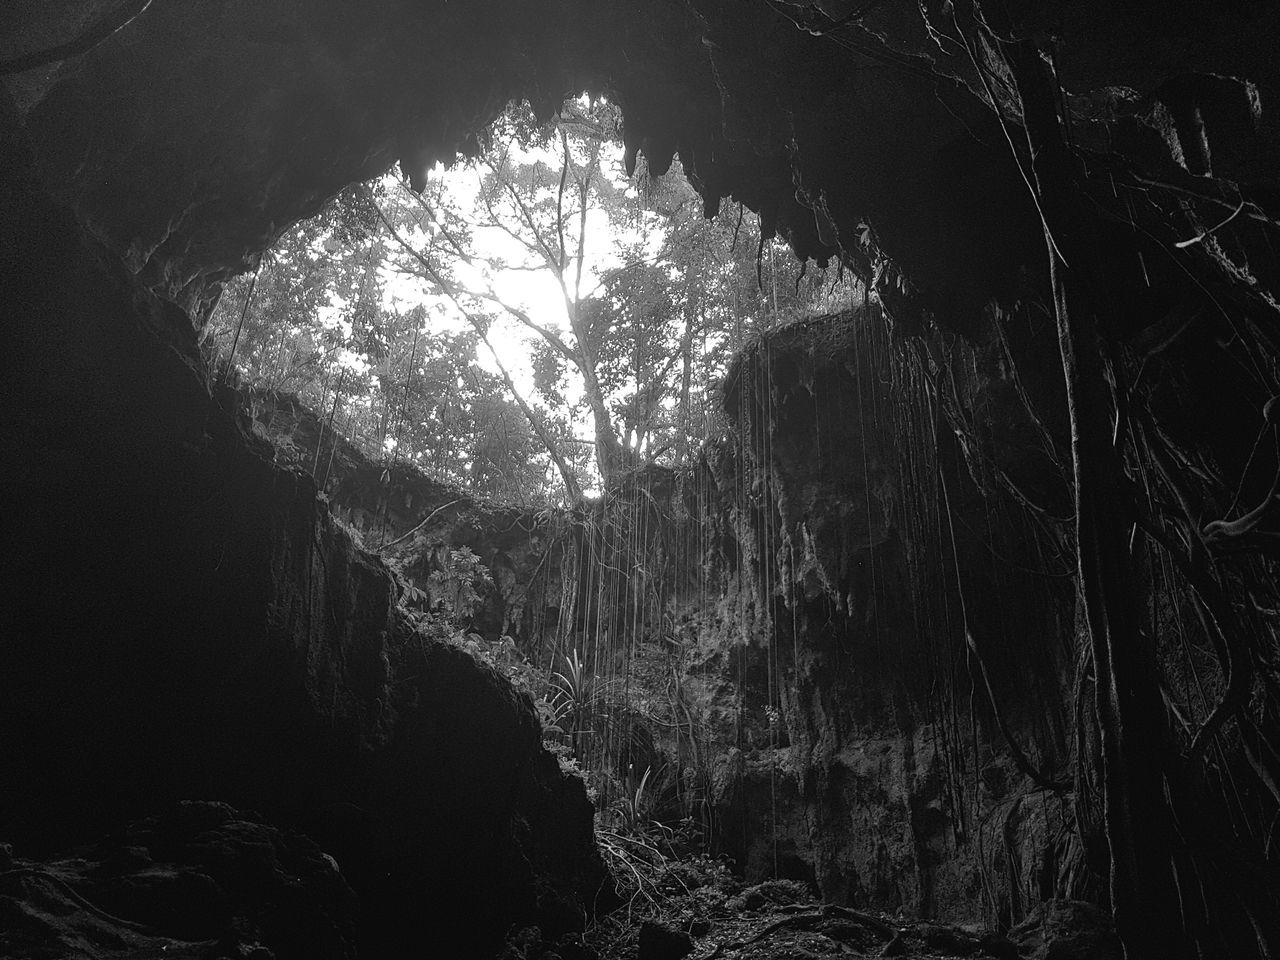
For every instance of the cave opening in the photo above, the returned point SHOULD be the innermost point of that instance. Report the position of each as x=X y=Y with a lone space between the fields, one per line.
x=961 y=608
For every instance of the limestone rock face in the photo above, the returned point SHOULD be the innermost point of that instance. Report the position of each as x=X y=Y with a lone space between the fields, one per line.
x=898 y=788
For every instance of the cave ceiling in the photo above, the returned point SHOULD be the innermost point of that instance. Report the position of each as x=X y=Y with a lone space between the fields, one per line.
x=866 y=132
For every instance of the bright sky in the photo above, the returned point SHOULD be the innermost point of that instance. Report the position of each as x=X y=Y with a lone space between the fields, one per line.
x=534 y=291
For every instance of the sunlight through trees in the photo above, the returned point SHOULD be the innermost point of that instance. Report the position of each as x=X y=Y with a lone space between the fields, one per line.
x=531 y=323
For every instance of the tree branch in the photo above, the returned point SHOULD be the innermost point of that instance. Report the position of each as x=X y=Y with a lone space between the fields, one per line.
x=571 y=484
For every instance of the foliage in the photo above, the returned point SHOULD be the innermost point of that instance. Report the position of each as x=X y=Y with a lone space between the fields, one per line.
x=501 y=654
x=457 y=580
x=577 y=690
x=632 y=811
x=437 y=578
x=315 y=321
x=357 y=311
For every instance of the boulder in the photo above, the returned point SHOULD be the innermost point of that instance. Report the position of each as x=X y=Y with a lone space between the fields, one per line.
x=660 y=942
x=201 y=880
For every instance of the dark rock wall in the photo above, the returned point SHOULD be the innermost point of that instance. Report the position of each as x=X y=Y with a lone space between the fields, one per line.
x=195 y=136
x=199 y=880
x=185 y=620
x=191 y=140
x=872 y=554
x=896 y=513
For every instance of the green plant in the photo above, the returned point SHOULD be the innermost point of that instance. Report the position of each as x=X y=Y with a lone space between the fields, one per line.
x=411 y=597
x=633 y=809
x=574 y=686
x=554 y=711
x=457 y=580
x=576 y=692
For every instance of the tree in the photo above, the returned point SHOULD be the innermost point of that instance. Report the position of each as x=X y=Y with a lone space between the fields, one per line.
x=312 y=321
x=650 y=300
x=554 y=194
x=545 y=210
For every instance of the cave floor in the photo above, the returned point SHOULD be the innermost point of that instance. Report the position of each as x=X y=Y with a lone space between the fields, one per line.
x=692 y=915
x=815 y=930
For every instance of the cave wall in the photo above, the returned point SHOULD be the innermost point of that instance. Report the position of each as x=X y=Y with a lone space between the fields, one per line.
x=896 y=514
x=185 y=620
x=871 y=554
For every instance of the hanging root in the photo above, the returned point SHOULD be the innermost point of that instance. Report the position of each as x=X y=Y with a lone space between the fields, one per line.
x=638 y=866
x=804 y=267
x=1218 y=533
x=1015 y=749
x=1239 y=683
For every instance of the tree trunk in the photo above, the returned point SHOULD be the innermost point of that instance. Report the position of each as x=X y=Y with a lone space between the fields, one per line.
x=1144 y=892
x=611 y=456
x=685 y=429
x=571 y=488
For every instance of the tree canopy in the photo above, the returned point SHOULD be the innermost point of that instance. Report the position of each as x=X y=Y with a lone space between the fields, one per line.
x=528 y=325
